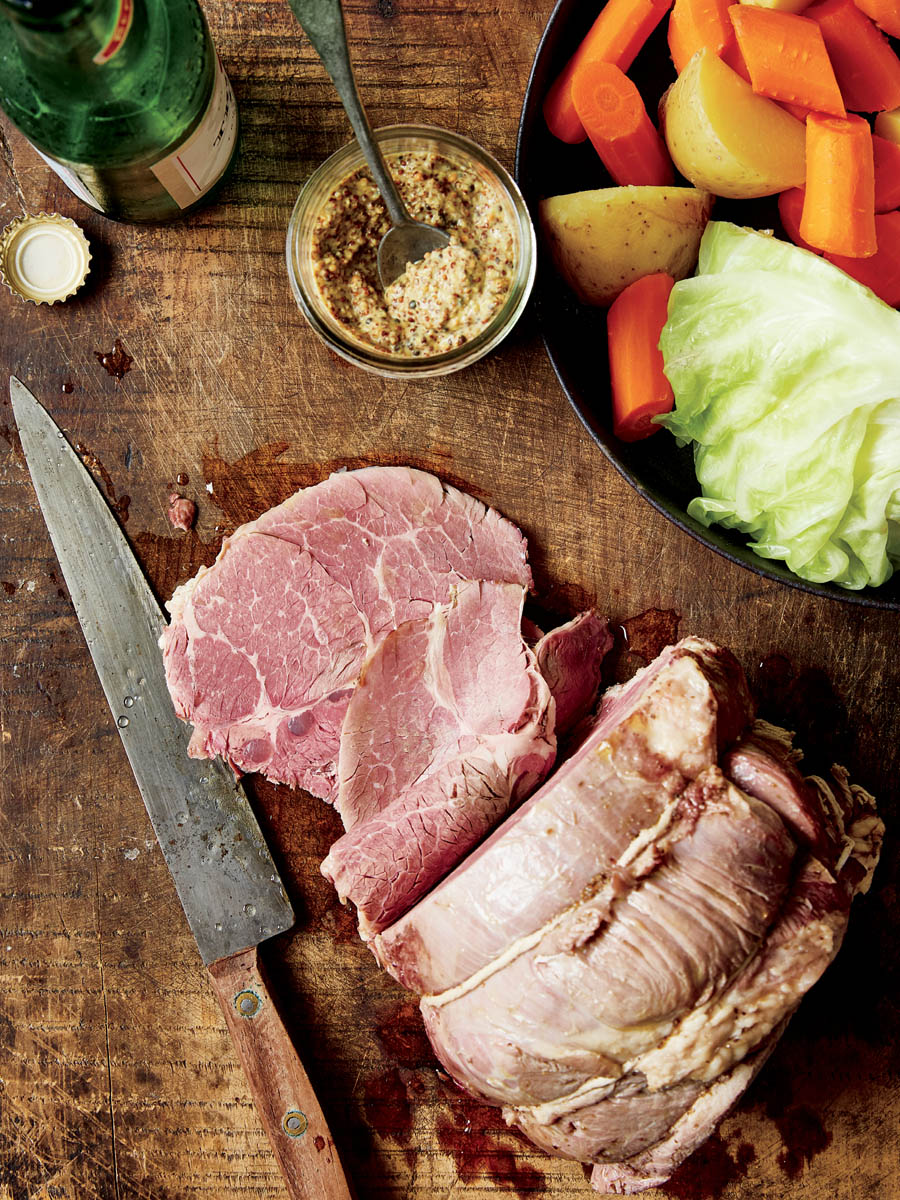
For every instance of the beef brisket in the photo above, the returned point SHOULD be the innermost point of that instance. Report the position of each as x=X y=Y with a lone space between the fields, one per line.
x=618 y=959
x=655 y=733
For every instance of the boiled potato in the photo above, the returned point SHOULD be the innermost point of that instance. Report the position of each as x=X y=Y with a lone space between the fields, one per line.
x=604 y=240
x=887 y=125
x=726 y=139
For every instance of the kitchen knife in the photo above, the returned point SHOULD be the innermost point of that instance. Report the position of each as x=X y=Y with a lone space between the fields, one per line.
x=223 y=872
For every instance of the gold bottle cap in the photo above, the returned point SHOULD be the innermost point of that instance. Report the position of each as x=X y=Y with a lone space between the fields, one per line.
x=44 y=258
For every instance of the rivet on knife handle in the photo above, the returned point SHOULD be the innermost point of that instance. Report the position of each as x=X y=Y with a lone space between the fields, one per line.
x=284 y=1097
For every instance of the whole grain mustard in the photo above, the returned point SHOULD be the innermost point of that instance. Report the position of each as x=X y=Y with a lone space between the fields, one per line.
x=439 y=303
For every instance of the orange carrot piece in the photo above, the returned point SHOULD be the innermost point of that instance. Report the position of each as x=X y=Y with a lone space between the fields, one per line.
x=887 y=174
x=612 y=112
x=786 y=57
x=885 y=13
x=865 y=66
x=881 y=272
x=839 y=206
x=790 y=209
x=640 y=389
x=697 y=25
x=616 y=36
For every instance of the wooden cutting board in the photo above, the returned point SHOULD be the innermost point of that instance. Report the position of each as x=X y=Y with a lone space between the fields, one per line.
x=117 y=1077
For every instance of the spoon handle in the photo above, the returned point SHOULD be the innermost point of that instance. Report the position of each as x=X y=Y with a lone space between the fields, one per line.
x=323 y=23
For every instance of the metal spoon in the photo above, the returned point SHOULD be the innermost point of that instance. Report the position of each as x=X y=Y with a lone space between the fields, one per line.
x=407 y=241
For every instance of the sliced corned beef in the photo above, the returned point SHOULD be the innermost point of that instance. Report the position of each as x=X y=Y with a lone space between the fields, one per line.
x=571 y=660
x=451 y=724
x=265 y=647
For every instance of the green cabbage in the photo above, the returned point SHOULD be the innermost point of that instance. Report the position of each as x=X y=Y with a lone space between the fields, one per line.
x=786 y=374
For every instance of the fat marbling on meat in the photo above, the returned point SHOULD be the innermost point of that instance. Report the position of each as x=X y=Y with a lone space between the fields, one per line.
x=265 y=647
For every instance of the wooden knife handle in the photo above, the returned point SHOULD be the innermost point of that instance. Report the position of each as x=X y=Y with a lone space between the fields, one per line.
x=281 y=1089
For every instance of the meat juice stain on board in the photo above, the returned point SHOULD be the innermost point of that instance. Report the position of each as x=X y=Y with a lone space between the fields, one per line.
x=401 y=1032
x=710 y=1170
x=473 y=1134
x=246 y=487
x=792 y=1094
x=647 y=634
x=638 y=640
x=477 y=1138
x=116 y=362
x=387 y=1106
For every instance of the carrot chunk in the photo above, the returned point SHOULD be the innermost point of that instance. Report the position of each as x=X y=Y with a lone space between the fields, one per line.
x=786 y=57
x=640 y=389
x=865 y=66
x=612 y=112
x=885 y=13
x=696 y=25
x=839 y=206
x=616 y=36
x=887 y=174
x=790 y=209
x=881 y=272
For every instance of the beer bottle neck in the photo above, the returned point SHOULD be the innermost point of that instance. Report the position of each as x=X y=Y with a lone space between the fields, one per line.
x=69 y=32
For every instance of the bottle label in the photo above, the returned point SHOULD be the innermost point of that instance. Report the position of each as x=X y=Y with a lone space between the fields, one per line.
x=190 y=171
x=119 y=33
x=71 y=180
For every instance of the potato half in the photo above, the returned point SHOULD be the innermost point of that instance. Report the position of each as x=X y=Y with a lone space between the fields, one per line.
x=603 y=240
x=726 y=139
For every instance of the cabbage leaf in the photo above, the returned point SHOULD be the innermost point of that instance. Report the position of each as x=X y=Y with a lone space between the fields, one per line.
x=786 y=374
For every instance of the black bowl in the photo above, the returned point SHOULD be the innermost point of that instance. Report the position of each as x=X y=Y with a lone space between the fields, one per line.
x=575 y=334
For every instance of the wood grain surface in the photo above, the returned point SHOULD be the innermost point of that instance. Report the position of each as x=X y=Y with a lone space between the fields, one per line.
x=118 y=1079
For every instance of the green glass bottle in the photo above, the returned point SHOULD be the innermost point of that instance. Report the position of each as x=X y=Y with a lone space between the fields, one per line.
x=125 y=99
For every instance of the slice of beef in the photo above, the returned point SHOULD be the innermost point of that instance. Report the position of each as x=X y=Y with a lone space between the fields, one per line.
x=653 y=735
x=265 y=647
x=571 y=660
x=450 y=725
x=764 y=764
x=609 y=981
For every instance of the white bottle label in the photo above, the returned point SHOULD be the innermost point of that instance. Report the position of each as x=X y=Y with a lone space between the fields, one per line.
x=190 y=171
x=71 y=180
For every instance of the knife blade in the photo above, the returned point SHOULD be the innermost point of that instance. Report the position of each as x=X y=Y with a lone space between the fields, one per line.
x=223 y=872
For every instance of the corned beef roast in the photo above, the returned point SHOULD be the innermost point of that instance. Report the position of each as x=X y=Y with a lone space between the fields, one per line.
x=265 y=647
x=616 y=961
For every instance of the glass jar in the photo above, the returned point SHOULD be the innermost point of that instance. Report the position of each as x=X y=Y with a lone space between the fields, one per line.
x=397 y=139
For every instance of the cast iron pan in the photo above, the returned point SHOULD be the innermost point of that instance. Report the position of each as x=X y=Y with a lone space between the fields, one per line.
x=575 y=334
